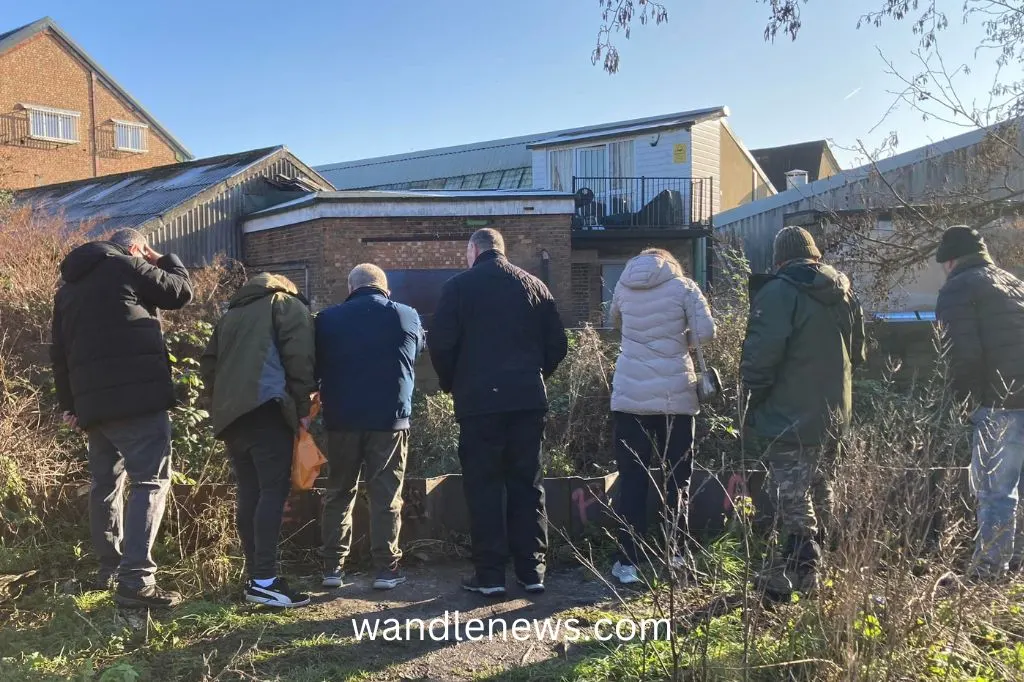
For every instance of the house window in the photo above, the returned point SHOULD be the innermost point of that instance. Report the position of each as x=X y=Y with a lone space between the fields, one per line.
x=561 y=170
x=52 y=125
x=607 y=169
x=130 y=137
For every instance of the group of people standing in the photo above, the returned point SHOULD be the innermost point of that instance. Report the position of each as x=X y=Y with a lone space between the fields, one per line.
x=496 y=336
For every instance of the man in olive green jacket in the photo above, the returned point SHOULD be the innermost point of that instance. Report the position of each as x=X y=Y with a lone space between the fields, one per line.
x=259 y=368
x=804 y=337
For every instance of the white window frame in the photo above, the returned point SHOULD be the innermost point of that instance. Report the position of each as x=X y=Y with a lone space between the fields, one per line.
x=129 y=126
x=64 y=117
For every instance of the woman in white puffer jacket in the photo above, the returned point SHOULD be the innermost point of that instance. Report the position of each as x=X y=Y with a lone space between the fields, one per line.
x=654 y=391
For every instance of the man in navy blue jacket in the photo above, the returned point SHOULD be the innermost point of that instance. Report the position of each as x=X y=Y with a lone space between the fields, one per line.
x=365 y=363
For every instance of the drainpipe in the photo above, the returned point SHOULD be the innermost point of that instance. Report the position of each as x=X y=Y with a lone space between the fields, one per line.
x=92 y=123
x=545 y=267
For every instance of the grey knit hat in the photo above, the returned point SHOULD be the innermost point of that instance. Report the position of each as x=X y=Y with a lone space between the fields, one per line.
x=793 y=243
x=959 y=241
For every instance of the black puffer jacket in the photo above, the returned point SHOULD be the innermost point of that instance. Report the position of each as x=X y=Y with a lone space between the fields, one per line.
x=495 y=338
x=981 y=308
x=108 y=353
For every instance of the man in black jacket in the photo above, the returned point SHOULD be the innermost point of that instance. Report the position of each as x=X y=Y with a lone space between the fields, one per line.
x=981 y=309
x=113 y=380
x=495 y=338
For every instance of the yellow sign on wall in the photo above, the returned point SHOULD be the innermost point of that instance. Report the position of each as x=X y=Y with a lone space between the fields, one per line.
x=679 y=153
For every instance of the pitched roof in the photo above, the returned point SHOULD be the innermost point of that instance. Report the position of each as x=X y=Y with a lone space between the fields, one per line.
x=134 y=198
x=15 y=37
x=492 y=158
x=805 y=156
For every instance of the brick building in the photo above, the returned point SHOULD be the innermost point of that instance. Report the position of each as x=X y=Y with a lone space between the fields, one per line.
x=63 y=118
x=418 y=238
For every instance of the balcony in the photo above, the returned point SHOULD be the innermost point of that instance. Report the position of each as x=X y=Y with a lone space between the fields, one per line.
x=606 y=203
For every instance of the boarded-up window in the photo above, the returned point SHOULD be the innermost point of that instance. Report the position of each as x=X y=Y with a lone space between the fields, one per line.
x=420 y=289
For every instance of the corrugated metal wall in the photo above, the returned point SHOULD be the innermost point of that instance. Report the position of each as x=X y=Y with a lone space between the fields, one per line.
x=204 y=229
x=968 y=174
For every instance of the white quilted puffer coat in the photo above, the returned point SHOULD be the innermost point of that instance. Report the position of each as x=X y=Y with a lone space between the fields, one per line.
x=655 y=306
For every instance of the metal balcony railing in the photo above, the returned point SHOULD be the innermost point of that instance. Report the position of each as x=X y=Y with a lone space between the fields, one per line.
x=643 y=202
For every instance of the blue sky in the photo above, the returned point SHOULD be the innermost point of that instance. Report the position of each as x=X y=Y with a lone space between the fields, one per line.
x=339 y=80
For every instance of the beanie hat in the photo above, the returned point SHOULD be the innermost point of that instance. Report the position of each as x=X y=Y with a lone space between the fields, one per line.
x=793 y=243
x=959 y=241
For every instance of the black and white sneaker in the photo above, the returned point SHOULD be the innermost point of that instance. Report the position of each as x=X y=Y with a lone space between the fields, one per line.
x=474 y=585
x=276 y=594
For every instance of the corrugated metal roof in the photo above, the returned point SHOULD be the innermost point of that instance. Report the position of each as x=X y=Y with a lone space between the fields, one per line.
x=131 y=199
x=16 y=36
x=489 y=157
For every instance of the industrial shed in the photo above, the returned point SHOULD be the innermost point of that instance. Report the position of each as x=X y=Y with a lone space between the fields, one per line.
x=193 y=209
x=977 y=168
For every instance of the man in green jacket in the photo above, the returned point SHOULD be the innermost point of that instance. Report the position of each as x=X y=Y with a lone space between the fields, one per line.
x=259 y=368
x=804 y=337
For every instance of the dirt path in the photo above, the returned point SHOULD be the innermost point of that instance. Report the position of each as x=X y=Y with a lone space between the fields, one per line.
x=430 y=593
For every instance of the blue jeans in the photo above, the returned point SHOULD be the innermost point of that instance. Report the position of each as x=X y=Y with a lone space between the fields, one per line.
x=997 y=457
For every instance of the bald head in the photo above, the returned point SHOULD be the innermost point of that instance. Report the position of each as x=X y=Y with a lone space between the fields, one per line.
x=487 y=239
x=367 y=275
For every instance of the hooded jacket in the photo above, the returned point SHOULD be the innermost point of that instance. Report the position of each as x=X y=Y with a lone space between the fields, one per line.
x=804 y=337
x=107 y=349
x=658 y=311
x=262 y=350
x=981 y=309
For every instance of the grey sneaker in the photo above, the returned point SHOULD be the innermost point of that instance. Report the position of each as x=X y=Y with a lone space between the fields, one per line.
x=389 y=578
x=333 y=578
x=148 y=597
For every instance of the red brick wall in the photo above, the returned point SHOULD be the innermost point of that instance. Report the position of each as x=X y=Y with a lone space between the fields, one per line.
x=42 y=71
x=333 y=246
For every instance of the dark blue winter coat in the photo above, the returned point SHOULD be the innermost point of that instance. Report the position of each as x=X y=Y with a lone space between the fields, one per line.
x=366 y=351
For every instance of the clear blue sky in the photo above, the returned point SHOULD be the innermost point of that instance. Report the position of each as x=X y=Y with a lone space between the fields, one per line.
x=340 y=79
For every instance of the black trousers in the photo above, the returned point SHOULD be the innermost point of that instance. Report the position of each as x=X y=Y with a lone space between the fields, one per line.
x=260 y=445
x=642 y=441
x=500 y=456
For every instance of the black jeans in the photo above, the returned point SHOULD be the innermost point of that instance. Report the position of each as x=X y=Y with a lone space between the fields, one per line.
x=500 y=456
x=663 y=440
x=260 y=445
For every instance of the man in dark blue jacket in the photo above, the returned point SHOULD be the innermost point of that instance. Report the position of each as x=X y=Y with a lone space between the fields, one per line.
x=366 y=351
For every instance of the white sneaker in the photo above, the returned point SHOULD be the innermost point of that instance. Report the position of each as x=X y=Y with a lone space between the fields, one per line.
x=626 y=575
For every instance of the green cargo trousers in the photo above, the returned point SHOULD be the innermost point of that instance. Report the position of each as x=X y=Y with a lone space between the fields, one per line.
x=380 y=456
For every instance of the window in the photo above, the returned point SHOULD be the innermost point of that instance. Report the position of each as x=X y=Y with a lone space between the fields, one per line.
x=130 y=137
x=561 y=170
x=52 y=125
x=610 y=274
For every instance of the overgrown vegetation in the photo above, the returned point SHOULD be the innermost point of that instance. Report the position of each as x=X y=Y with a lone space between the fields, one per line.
x=891 y=607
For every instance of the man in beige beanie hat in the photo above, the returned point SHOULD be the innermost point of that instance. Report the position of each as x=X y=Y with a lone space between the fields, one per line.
x=804 y=337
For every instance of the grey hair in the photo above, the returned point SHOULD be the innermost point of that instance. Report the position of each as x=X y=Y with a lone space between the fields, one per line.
x=488 y=239
x=127 y=238
x=367 y=275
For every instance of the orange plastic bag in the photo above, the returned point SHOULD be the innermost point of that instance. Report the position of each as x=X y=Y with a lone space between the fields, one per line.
x=306 y=458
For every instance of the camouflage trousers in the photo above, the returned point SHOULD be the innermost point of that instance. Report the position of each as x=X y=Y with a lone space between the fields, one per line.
x=800 y=489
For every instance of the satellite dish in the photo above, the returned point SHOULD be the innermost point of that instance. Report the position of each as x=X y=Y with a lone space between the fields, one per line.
x=584 y=197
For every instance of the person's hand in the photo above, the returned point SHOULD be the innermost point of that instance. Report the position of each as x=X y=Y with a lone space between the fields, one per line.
x=305 y=422
x=150 y=255
x=70 y=420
